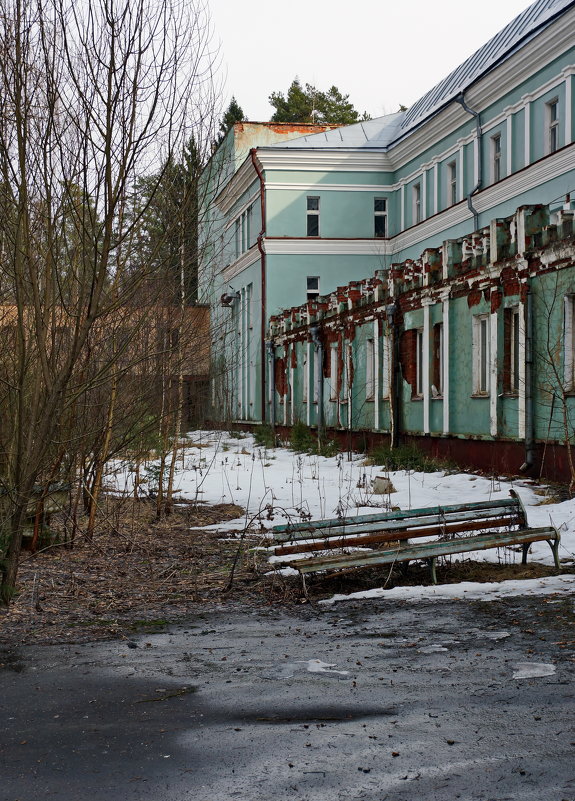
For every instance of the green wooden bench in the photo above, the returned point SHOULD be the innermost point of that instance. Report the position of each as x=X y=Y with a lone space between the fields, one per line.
x=446 y=530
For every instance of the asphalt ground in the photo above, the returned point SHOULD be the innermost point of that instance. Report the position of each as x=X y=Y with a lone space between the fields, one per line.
x=422 y=701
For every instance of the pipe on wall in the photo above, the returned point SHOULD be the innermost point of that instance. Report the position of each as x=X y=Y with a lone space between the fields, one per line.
x=529 y=438
x=461 y=100
x=261 y=249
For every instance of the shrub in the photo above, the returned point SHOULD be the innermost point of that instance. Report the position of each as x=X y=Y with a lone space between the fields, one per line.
x=265 y=435
x=302 y=440
x=405 y=457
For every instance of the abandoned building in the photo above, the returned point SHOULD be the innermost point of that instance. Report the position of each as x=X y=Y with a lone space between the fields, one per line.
x=411 y=274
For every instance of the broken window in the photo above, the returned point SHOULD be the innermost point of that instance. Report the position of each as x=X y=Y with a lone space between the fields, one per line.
x=569 y=356
x=369 y=370
x=511 y=350
x=313 y=216
x=481 y=354
x=437 y=387
x=380 y=216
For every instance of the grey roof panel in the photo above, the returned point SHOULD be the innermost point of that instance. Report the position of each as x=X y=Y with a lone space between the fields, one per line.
x=377 y=133
x=525 y=26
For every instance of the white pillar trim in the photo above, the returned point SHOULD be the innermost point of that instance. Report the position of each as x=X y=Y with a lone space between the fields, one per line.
x=493 y=375
x=445 y=356
x=427 y=303
x=568 y=108
x=376 y=371
x=509 y=160
x=402 y=210
x=527 y=154
x=521 y=399
x=435 y=188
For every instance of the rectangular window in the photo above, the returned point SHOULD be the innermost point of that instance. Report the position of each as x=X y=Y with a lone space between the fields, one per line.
x=437 y=387
x=419 y=362
x=451 y=183
x=333 y=361
x=552 y=125
x=380 y=216
x=385 y=365
x=511 y=350
x=496 y=158
x=313 y=216
x=481 y=354
x=416 y=203
x=569 y=356
x=369 y=370
x=238 y=238
x=317 y=374
x=312 y=282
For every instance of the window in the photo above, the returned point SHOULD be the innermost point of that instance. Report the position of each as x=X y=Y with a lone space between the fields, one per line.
x=437 y=387
x=511 y=350
x=312 y=287
x=313 y=216
x=369 y=370
x=416 y=203
x=451 y=183
x=481 y=354
x=242 y=232
x=569 y=357
x=419 y=362
x=333 y=360
x=496 y=158
x=379 y=216
x=552 y=125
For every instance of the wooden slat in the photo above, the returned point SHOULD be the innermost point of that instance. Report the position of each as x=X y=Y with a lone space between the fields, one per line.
x=426 y=550
x=389 y=536
x=287 y=530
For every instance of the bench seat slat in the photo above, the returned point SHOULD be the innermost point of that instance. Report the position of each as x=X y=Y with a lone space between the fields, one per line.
x=287 y=530
x=426 y=550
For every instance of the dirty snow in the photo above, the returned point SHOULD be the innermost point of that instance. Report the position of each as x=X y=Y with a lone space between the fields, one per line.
x=277 y=486
x=533 y=670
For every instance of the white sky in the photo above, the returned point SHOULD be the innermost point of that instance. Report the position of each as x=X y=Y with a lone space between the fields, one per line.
x=381 y=53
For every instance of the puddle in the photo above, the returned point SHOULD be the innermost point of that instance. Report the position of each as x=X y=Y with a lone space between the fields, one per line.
x=533 y=670
x=289 y=669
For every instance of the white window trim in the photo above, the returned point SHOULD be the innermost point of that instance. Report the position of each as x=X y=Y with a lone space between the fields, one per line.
x=552 y=126
x=496 y=158
x=380 y=214
x=416 y=204
x=480 y=356
x=451 y=199
x=313 y=213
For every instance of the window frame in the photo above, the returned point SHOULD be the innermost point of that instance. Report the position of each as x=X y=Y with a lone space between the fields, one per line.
x=311 y=292
x=481 y=356
x=416 y=203
x=312 y=215
x=379 y=217
x=451 y=183
x=438 y=360
x=552 y=124
x=496 y=158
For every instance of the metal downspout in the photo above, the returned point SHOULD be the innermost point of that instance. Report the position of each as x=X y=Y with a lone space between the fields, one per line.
x=461 y=100
x=263 y=326
x=316 y=341
x=529 y=440
x=271 y=350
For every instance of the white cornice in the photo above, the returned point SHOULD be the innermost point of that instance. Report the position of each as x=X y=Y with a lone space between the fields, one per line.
x=251 y=199
x=332 y=247
x=357 y=160
x=246 y=260
x=332 y=187
x=236 y=186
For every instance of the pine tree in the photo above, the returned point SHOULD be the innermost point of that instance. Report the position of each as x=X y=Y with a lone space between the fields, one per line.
x=311 y=105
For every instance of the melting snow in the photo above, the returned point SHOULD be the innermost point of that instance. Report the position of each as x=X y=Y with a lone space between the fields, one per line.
x=533 y=670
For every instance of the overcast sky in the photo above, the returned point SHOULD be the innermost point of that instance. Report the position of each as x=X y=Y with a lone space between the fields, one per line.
x=381 y=53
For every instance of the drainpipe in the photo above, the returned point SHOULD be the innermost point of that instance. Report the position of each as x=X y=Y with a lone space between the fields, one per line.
x=261 y=236
x=395 y=385
x=529 y=440
x=461 y=100
x=271 y=352
x=318 y=344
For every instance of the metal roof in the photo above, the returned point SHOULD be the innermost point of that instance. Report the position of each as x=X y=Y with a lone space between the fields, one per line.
x=524 y=27
x=382 y=132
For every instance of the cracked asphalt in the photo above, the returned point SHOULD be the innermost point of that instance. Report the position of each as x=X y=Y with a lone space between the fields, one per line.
x=378 y=701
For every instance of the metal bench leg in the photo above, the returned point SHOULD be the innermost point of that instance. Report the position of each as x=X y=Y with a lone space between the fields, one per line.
x=554 y=545
x=525 y=548
x=433 y=573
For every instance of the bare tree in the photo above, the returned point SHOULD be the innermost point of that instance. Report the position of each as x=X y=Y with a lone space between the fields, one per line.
x=92 y=95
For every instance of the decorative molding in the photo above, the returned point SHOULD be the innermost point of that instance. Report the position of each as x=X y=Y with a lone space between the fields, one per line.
x=287 y=246
x=238 y=184
x=356 y=160
x=320 y=187
x=239 y=265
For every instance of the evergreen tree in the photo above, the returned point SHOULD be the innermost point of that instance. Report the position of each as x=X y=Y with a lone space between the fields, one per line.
x=233 y=114
x=311 y=105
